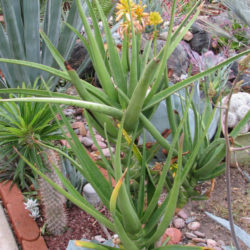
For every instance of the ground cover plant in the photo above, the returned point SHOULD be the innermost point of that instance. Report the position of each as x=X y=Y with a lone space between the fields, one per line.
x=133 y=85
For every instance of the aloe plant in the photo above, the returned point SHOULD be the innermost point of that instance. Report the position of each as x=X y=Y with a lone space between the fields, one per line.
x=132 y=91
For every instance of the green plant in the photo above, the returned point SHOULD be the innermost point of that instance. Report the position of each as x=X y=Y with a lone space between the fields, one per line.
x=53 y=202
x=21 y=124
x=20 y=39
x=133 y=87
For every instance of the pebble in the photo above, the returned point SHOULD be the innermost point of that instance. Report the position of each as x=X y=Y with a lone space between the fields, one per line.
x=190 y=235
x=100 y=143
x=79 y=117
x=99 y=238
x=91 y=195
x=188 y=36
x=179 y=223
x=211 y=243
x=199 y=240
x=217 y=248
x=99 y=138
x=190 y=219
x=199 y=234
x=221 y=243
x=87 y=141
x=194 y=225
x=68 y=112
x=174 y=234
x=183 y=214
x=200 y=244
x=106 y=151
x=77 y=131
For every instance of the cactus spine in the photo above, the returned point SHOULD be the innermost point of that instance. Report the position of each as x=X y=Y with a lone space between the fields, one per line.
x=53 y=202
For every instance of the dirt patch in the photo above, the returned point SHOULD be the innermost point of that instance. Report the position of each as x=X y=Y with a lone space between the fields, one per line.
x=217 y=205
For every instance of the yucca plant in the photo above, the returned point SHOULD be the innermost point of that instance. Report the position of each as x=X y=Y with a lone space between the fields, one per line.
x=21 y=125
x=132 y=88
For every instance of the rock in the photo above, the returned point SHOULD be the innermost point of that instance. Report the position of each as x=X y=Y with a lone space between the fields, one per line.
x=190 y=235
x=190 y=219
x=174 y=234
x=99 y=238
x=106 y=151
x=68 y=112
x=91 y=195
x=201 y=39
x=199 y=234
x=199 y=240
x=99 y=137
x=183 y=214
x=178 y=61
x=211 y=243
x=188 y=36
x=179 y=223
x=77 y=131
x=79 y=118
x=217 y=248
x=200 y=244
x=194 y=225
x=100 y=143
x=87 y=141
x=221 y=243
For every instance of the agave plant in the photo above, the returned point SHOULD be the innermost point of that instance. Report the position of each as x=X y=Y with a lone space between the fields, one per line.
x=20 y=38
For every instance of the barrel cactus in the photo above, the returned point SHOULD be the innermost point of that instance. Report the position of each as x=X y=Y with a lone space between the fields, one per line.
x=239 y=107
x=53 y=202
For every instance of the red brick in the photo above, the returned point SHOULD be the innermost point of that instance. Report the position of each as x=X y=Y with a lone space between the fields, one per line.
x=10 y=196
x=24 y=226
x=38 y=244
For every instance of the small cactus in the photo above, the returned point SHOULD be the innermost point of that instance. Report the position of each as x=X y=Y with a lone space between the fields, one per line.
x=239 y=107
x=53 y=202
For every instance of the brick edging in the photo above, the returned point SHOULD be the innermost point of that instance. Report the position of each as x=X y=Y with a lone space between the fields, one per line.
x=26 y=229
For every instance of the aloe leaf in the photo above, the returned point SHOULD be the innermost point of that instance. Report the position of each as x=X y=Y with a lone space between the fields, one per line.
x=31 y=20
x=173 y=198
x=239 y=126
x=54 y=52
x=75 y=200
x=115 y=62
x=157 y=98
x=97 y=60
x=178 y=247
x=83 y=104
x=91 y=245
x=240 y=233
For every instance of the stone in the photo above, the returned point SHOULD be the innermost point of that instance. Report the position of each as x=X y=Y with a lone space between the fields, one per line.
x=190 y=235
x=106 y=151
x=200 y=244
x=201 y=39
x=99 y=137
x=91 y=195
x=87 y=141
x=68 y=112
x=199 y=234
x=194 y=225
x=211 y=243
x=178 y=61
x=188 y=36
x=199 y=240
x=179 y=223
x=221 y=243
x=183 y=214
x=174 y=234
x=99 y=238
x=100 y=143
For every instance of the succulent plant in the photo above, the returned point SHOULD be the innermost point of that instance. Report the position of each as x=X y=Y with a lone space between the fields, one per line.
x=239 y=107
x=53 y=201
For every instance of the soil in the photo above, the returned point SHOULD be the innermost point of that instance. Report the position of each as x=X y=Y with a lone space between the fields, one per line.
x=81 y=225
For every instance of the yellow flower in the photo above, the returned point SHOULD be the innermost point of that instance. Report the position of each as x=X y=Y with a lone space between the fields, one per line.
x=155 y=18
x=123 y=8
x=139 y=8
